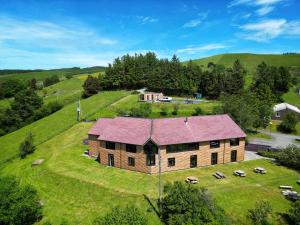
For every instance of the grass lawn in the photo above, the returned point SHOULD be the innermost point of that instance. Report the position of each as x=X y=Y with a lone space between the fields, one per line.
x=56 y=123
x=292 y=97
x=78 y=189
x=65 y=92
x=132 y=101
x=258 y=135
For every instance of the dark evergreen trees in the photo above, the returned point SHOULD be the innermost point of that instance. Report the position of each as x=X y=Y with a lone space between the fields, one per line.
x=50 y=80
x=19 y=205
x=91 y=86
x=288 y=123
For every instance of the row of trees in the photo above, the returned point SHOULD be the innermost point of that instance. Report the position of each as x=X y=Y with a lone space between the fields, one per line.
x=26 y=107
x=171 y=76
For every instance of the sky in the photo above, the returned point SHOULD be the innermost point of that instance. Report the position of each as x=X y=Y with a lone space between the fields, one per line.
x=65 y=33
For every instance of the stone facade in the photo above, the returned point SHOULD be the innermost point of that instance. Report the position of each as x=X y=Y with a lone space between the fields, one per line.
x=151 y=96
x=182 y=159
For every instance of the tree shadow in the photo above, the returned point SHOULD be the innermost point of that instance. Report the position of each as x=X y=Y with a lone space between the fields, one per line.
x=151 y=205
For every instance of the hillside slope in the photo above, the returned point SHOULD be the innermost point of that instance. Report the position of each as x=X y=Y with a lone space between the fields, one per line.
x=250 y=61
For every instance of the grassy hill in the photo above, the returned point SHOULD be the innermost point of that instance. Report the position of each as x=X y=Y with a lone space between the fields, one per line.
x=41 y=75
x=250 y=61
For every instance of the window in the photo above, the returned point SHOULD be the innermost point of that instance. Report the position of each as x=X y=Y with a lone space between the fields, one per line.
x=171 y=162
x=131 y=161
x=110 y=145
x=111 y=160
x=93 y=137
x=182 y=147
x=233 y=155
x=131 y=148
x=234 y=142
x=277 y=114
x=214 y=144
x=150 y=148
x=193 y=161
x=214 y=158
x=150 y=161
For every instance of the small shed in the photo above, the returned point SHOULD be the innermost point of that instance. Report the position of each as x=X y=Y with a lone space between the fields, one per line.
x=283 y=108
x=198 y=95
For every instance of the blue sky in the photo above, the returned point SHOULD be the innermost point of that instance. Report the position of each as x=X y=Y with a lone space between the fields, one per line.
x=66 y=33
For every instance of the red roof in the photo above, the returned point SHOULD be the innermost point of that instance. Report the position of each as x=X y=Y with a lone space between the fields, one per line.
x=166 y=131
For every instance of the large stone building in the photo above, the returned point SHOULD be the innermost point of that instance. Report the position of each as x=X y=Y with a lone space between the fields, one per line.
x=184 y=142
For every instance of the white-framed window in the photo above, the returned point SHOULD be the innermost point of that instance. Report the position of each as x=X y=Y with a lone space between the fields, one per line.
x=277 y=114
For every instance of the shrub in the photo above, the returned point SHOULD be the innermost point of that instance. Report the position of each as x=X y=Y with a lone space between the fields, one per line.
x=69 y=76
x=288 y=123
x=186 y=204
x=175 y=109
x=294 y=213
x=19 y=205
x=289 y=156
x=122 y=216
x=197 y=111
x=164 y=110
x=260 y=213
x=26 y=147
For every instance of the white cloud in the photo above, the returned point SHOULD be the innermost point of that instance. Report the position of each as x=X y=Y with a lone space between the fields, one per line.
x=264 y=6
x=203 y=48
x=147 y=19
x=192 y=23
x=264 y=10
x=196 y=22
x=265 y=30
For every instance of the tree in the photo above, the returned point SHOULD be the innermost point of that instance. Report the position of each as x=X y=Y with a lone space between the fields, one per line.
x=25 y=104
x=185 y=204
x=288 y=123
x=294 y=213
x=11 y=87
x=26 y=147
x=19 y=205
x=91 y=86
x=122 y=216
x=32 y=84
x=259 y=215
x=50 y=80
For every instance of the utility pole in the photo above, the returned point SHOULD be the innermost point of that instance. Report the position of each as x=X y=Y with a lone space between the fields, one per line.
x=78 y=111
x=160 y=182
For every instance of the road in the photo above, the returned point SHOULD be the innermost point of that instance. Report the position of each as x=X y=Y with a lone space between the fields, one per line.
x=278 y=140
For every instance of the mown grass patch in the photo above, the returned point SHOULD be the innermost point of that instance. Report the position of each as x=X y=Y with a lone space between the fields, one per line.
x=132 y=101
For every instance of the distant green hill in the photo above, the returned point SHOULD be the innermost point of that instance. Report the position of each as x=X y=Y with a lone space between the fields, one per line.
x=250 y=61
x=42 y=74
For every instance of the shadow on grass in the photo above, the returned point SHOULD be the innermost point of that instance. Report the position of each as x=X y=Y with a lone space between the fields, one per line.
x=151 y=205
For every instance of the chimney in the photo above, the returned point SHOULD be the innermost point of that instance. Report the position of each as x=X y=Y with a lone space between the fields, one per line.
x=186 y=120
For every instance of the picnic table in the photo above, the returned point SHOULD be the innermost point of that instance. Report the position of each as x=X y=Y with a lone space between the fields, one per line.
x=239 y=173
x=260 y=170
x=286 y=187
x=219 y=175
x=191 y=180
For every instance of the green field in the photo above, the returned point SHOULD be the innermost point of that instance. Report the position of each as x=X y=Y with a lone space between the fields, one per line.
x=250 y=61
x=292 y=97
x=50 y=126
x=65 y=92
x=132 y=101
x=78 y=189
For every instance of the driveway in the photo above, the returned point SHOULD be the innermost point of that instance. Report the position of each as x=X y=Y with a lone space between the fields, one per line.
x=278 y=140
x=249 y=155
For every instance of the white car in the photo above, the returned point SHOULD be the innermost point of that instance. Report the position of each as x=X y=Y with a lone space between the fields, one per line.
x=166 y=99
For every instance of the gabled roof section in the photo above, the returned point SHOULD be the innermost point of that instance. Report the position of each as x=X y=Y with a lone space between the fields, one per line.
x=168 y=130
x=284 y=105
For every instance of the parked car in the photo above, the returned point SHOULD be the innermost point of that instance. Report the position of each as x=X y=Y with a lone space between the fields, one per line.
x=239 y=173
x=166 y=99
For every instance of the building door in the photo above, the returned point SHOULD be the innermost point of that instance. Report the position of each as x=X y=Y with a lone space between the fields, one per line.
x=111 y=161
x=193 y=161
x=214 y=158
x=233 y=155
